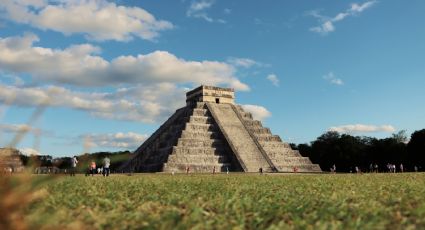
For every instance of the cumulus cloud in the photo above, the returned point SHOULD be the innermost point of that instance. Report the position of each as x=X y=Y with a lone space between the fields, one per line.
x=273 y=79
x=198 y=9
x=361 y=128
x=15 y=128
x=327 y=24
x=29 y=152
x=119 y=140
x=331 y=78
x=97 y=19
x=243 y=62
x=79 y=65
x=149 y=104
x=258 y=112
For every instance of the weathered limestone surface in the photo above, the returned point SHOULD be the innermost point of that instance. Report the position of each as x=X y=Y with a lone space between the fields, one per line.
x=238 y=138
x=200 y=146
x=212 y=133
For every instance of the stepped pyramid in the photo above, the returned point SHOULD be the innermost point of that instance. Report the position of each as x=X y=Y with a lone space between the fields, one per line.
x=213 y=133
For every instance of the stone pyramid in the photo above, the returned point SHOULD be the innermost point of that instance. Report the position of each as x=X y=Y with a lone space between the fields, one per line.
x=9 y=159
x=213 y=133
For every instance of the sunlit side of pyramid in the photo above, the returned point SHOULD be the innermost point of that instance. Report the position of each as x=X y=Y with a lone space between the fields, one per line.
x=213 y=133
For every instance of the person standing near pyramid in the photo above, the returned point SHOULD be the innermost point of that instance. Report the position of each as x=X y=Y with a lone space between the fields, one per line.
x=106 y=165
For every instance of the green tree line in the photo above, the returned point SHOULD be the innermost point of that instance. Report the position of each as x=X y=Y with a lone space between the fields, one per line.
x=346 y=151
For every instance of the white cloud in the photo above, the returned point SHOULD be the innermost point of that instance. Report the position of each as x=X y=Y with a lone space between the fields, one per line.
x=327 y=24
x=97 y=19
x=273 y=79
x=198 y=8
x=119 y=140
x=149 y=104
x=331 y=78
x=361 y=128
x=15 y=128
x=258 y=112
x=79 y=65
x=29 y=152
x=243 y=62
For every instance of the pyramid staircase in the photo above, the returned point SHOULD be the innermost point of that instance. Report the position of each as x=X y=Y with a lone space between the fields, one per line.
x=282 y=156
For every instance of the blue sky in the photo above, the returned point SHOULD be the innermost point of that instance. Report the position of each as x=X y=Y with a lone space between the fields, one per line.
x=104 y=75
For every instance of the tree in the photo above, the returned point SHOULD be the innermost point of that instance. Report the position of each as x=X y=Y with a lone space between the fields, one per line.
x=400 y=136
x=416 y=148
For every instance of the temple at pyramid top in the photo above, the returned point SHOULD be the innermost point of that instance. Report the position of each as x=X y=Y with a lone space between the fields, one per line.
x=213 y=94
x=213 y=134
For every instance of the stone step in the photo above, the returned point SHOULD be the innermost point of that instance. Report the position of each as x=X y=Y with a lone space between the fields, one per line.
x=200 y=127
x=176 y=128
x=200 y=135
x=275 y=144
x=253 y=123
x=268 y=138
x=200 y=120
x=182 y=142
x=200 y=112
x=198 y=168
x=260 y=130
x=273 y=152
x=197 y=159
x=197 y=151
x=291 y=161
x=300 y=168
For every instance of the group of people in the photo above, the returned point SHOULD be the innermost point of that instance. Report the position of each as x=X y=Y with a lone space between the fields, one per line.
x=105 y=170
x=392 y=168
x=92 y=168
x=374 y=168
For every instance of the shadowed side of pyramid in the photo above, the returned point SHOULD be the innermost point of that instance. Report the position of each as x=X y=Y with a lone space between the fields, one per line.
x=211 y=133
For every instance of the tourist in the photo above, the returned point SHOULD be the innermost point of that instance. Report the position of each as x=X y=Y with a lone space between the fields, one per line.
x=333 y=169
x=106 y=165
x=401 y=168
x=187 y=169
x=214 y=170
x=261 y=170
x=357 y=169
x=227 y=170
x=92 y=168
x=376 y=168
x=371 y=167
x=415 y=168
x=74 y=163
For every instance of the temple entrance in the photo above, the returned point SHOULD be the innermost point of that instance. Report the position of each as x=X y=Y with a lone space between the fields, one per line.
x=217 y=100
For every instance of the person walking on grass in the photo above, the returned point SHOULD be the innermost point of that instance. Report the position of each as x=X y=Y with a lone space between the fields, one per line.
x=92 y=168
x=74 y=163
x=106 y=165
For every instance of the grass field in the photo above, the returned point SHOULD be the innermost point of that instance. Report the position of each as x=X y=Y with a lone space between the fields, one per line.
x=235 y=201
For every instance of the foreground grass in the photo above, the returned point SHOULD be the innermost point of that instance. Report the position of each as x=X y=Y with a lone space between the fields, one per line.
x=241 y=201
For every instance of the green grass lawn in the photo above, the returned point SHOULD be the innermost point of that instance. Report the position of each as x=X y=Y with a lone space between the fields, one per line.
x=235 y=201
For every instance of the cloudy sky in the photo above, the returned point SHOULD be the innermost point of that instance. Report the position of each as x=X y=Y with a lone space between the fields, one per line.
x=92 y=75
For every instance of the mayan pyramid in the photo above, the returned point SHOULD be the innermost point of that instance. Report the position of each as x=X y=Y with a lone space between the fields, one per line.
x=9 y=159
x=213 y=133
